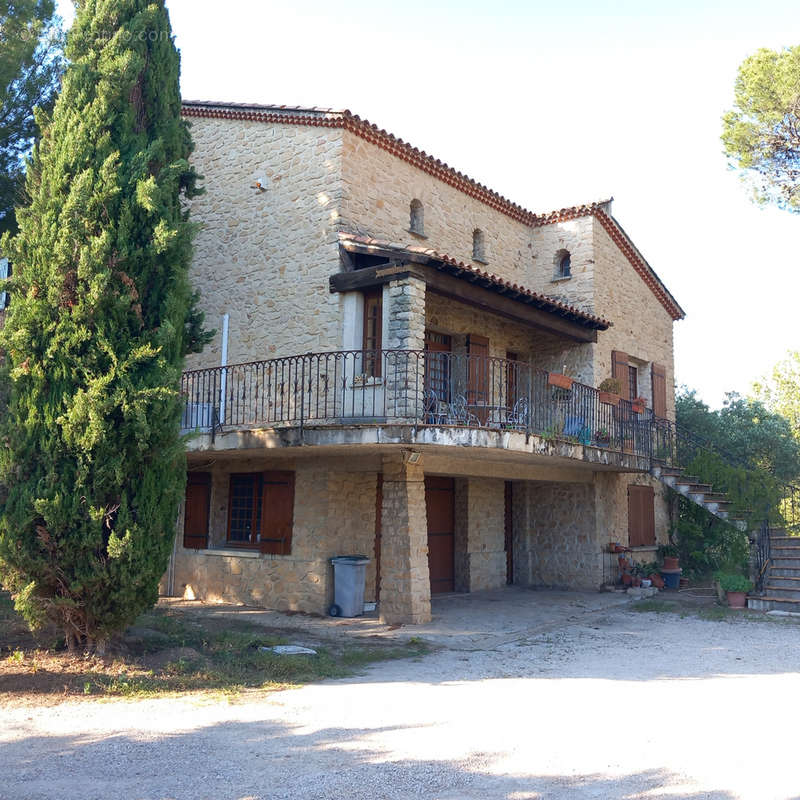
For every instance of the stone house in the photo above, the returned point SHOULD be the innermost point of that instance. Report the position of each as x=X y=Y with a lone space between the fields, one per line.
x=405 y=367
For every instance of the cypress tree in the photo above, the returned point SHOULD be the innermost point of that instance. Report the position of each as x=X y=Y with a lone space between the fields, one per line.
x=93 y=466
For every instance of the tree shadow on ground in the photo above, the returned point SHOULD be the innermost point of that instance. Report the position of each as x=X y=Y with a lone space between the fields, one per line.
x=265 y=760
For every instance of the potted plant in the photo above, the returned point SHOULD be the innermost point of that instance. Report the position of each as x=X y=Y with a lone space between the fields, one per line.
x=736 y=587
x=610 y=390
x=639 y=404
x=602 y=438
x=558 y=380
x=668 y=553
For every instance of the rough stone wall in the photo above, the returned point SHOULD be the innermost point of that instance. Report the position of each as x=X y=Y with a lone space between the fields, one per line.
x=486 y=534
x=334 y=514
x=576 y=237
x=405 y=578
x=558 y=542
x=642 y=327
x=543 y=350
x=611 y=490
x=265 y=257
x=379 y=188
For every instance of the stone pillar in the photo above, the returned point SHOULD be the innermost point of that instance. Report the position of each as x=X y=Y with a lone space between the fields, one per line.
x=405 y=580
x=405 y=378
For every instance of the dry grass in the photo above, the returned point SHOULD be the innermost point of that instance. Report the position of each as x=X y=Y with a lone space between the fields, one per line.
x=170 y=652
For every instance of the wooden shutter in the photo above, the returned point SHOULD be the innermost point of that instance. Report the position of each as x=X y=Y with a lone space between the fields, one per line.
x=373 y=332
x=478 y=369
x=619 y=369
x=659 y=379
x=641 y=516
x=277 y=513
x=198 y=508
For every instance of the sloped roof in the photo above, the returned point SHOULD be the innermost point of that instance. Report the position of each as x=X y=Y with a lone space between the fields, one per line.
x=356 y=243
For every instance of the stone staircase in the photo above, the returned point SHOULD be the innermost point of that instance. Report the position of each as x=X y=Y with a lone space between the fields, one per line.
x=702 y=494
x=782 y=579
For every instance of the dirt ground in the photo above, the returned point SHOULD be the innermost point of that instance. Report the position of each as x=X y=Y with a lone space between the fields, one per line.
x=679 y=700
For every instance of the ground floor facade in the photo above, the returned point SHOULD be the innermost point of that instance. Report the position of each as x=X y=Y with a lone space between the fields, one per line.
x=260 y=527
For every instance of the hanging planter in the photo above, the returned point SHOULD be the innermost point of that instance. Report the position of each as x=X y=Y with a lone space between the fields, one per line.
x=609 y=398
x=559 y=380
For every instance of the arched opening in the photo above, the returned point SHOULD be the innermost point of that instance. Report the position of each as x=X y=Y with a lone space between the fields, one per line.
x=417 y=218
x=478 y=245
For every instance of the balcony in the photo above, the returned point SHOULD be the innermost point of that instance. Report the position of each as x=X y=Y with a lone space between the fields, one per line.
x=416 y=389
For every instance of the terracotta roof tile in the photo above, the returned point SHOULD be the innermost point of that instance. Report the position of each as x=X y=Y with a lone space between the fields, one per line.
x=527 y=295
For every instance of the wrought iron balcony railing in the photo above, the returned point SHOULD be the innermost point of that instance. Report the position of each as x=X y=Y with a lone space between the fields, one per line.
x=412 y=387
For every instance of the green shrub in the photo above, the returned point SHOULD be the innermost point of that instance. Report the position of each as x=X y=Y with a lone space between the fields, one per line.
x=733 y=582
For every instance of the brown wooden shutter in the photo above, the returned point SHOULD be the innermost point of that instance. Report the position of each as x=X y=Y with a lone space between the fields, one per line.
x=277 y=513
x=619 y=369
x=659 y=379
x=198 y=508
x=478 y=369
x=641 y=516
x=373 y=332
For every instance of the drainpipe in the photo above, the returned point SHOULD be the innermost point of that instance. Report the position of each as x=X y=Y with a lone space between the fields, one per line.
x=223 y=363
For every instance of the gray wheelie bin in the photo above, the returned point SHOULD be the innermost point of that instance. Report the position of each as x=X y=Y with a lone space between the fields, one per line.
x=349 y=577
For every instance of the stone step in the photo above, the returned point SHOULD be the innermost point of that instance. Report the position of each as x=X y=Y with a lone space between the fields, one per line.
x=785 y=540
x=784 y=552
x=783 y=572
x=769 y=603
x=783 y=562
x=783 y=592
x=785 y=581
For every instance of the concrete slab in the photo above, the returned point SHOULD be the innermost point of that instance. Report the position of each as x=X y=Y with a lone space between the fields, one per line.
x=476 y=621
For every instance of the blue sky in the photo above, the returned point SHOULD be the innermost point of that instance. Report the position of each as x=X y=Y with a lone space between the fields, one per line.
x=552 y=104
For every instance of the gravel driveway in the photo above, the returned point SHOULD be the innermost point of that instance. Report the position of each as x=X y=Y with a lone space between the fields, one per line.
x=619 y=704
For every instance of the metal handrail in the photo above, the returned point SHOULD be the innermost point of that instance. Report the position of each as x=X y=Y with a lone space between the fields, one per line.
x=417 y=387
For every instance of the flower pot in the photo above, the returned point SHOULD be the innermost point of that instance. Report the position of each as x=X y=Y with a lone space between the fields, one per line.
x=657 y=581
x=610 y=398
x=637 y=581
x=684 y=583
x=670 y=562
x=737 y=599
x=559 y=380
x=646 y=583
x=638 y=407
x=627 y=579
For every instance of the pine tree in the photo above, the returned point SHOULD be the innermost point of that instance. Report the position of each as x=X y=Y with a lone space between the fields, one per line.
x=93 y=466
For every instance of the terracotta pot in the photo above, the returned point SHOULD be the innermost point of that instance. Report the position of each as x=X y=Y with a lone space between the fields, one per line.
x=610 y=398
x=637 y=581
x=671 y=562
x=627 y=579
x=557 y=379
x=657 y=581
x=737 y=599
x=638 y=407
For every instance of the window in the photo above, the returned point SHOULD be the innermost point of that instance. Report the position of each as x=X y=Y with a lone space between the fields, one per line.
x=563 y=264
x=478 y=246
x=417 y=218
x=373 y=332
x=261 y=511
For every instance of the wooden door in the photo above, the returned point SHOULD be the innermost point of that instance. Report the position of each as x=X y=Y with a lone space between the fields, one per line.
x=641 y=516
x=440 y=508
x=509 y=531
x=198 y=508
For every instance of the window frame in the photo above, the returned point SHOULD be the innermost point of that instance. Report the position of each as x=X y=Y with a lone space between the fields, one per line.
x=261 y=527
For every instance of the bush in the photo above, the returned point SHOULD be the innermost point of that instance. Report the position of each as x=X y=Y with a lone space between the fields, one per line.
x=733 y=582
